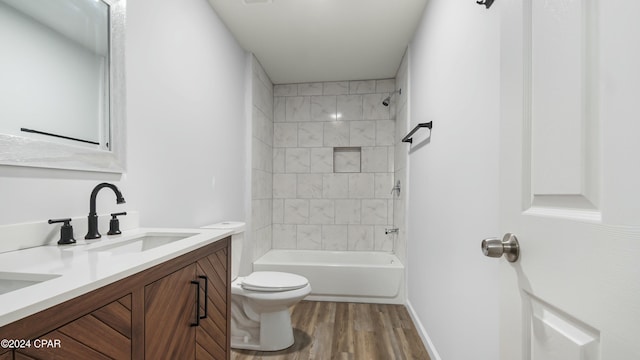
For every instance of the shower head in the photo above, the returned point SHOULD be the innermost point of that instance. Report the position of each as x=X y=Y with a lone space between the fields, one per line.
x=385 y=102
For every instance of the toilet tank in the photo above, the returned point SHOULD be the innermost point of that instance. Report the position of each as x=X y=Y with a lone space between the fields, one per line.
x=237 y=239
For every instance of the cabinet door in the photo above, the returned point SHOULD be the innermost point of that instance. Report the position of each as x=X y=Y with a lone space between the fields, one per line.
x=102 y=334
x=212 y=336
x=170 y=309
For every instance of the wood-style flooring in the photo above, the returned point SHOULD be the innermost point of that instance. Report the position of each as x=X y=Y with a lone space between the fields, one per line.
x=347 y=331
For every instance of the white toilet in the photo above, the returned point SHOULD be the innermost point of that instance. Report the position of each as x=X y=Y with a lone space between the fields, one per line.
x=260 y=302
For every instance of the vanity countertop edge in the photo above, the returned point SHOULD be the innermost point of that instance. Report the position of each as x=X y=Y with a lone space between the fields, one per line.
x=81 y=271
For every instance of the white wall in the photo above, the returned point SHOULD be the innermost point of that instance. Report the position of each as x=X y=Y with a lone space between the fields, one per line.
x=185 y=123
x=453 y=179
x=186 y=113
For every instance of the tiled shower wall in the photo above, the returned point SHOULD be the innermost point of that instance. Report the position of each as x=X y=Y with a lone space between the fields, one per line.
x=333 y=165
x=401 y=156
x=261 y=159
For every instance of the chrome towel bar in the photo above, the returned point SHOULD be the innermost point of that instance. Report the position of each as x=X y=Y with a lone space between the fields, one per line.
x=408 y=138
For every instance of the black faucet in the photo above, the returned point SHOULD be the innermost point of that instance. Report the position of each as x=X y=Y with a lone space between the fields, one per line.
x=93 y=217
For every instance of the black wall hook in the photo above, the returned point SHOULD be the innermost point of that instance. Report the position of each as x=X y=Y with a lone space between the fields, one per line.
x=486 y=3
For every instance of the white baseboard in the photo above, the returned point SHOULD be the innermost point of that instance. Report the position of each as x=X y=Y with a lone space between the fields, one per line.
x=398 y=300
x=431 y=349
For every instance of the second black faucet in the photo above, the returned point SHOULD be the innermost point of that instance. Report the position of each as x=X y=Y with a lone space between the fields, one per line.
x=93 y=233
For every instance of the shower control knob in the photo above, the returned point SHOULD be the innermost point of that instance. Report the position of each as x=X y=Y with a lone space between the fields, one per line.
x=508 y=246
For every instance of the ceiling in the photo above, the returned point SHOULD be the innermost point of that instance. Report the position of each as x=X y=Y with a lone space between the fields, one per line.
x=323 y=40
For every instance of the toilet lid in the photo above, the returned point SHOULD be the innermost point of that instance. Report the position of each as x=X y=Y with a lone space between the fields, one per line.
x=273 y=281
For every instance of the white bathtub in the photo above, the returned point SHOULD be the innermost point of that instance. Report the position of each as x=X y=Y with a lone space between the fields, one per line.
x=353 y=276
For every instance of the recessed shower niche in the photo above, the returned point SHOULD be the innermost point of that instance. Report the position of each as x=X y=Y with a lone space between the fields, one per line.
x=347 y=159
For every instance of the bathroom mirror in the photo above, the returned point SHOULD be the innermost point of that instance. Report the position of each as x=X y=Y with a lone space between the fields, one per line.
x=62 y=84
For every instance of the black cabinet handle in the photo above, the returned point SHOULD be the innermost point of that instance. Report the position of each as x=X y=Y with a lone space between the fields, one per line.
x=197 y=284
x=206 y=296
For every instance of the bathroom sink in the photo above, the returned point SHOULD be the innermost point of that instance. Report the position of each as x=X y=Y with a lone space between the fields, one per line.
x=141 y=243
x=13 y=281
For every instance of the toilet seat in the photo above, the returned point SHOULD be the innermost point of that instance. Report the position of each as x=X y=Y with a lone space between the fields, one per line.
x=273 y=281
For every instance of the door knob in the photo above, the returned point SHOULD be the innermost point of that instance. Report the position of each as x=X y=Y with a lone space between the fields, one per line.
x=508 y=246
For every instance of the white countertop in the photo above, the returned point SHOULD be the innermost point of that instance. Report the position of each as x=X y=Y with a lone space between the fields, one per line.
x=82 y=271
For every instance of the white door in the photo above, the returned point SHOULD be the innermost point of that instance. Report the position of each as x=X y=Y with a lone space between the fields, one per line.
x=570 y=178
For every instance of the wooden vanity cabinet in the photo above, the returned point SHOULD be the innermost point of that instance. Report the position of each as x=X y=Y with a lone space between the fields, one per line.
x=173 y=326
x=148 y=315
x=102 y=334
x=169 y=305
x=213 y=336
